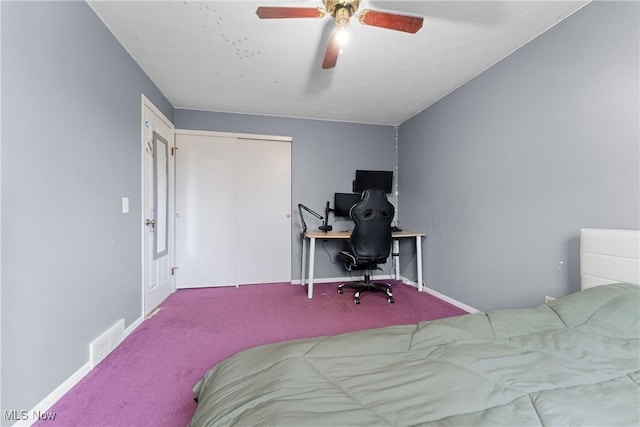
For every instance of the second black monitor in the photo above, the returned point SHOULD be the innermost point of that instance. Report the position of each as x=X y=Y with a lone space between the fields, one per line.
x=366 y=179
x=342 y=203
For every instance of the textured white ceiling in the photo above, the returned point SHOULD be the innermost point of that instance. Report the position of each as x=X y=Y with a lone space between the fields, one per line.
x=219 y=56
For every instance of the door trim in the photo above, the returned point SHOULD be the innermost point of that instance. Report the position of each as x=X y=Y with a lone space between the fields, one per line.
x=232 y=135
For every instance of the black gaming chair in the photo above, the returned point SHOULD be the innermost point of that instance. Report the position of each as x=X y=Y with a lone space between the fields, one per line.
x=370 y=242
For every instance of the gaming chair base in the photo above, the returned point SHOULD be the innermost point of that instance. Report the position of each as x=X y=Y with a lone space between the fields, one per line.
x=367 y=286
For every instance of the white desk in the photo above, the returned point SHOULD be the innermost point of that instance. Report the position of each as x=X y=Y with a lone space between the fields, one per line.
x=311 y=236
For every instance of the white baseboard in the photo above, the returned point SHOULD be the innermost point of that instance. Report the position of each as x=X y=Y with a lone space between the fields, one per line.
x=54 y=396
x=46 y=403
x=324 y=280
x=380 y=277
x=443 y=297
x=133 y=326
x=383 y=277
x=452 y=301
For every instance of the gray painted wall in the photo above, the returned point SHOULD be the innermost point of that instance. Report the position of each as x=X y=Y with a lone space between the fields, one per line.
x=70 y=151
x=503 y=172
x=324 y=157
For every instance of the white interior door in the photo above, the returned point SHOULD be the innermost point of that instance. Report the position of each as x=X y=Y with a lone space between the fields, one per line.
x=233 y=201
x=158 y=191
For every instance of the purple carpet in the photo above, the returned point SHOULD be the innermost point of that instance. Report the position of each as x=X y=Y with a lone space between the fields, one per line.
x=147 y=380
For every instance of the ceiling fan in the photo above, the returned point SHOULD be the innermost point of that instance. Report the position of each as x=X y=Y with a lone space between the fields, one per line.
x=342 y=11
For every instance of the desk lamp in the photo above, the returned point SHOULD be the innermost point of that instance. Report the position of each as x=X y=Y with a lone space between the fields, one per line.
x=324 y=227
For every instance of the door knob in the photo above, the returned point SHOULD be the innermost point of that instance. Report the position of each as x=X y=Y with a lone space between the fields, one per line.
x=150 y=222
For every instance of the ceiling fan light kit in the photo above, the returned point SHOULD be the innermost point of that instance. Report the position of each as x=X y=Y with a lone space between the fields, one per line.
x=342 y=11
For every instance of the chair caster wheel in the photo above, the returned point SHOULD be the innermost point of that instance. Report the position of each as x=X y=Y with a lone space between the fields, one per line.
x=356 y=300
x=340 y=291
x=391 y=300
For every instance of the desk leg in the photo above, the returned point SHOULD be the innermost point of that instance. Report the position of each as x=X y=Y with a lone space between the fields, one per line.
x=396 y=257
x=312 y=258
x=419 y=261
x=303 y=269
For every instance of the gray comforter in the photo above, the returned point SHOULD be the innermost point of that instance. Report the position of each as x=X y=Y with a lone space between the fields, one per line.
x=574 y=361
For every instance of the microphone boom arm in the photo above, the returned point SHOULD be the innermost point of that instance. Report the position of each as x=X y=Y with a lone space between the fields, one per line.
x=304 y=224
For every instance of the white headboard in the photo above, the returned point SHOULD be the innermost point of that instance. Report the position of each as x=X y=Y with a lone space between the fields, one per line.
x=609 y=256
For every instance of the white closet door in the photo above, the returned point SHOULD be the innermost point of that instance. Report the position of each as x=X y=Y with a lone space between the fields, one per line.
x=264 y=211
x=206 y=199
x=233 y=203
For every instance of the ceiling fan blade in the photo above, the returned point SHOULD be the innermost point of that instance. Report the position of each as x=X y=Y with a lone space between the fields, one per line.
x=392 y=21
x=332 y=52
x=266 y=12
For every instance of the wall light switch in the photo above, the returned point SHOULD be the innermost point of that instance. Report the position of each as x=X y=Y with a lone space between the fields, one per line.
x=125 y=205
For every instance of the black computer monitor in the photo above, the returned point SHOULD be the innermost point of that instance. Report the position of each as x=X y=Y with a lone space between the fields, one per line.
x=373 y=179
x=342 y=203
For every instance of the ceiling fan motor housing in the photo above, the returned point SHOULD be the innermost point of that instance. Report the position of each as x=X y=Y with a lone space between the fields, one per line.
x=341 y=9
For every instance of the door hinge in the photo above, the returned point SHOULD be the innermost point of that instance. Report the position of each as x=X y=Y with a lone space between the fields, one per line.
x=173 y=270
x=173 y=150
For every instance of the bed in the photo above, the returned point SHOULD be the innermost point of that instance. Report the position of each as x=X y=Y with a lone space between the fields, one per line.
x=572 y=361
